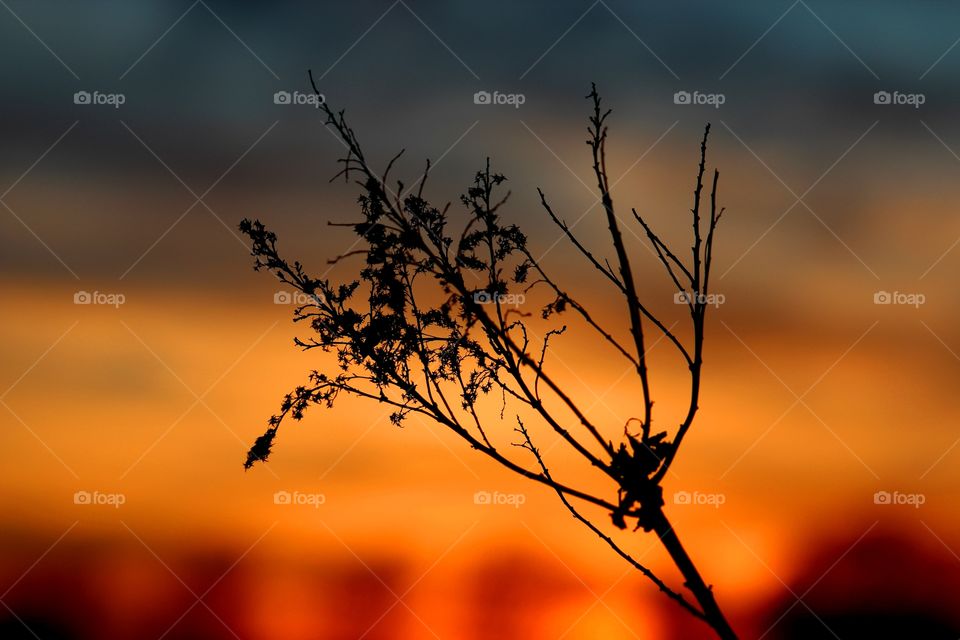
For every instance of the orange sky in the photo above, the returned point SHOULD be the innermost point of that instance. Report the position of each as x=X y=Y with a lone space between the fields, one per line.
x=125 y=418
x=817 y=402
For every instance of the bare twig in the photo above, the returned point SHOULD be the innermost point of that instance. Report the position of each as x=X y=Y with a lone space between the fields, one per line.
x=438 y=356
x=528 y=444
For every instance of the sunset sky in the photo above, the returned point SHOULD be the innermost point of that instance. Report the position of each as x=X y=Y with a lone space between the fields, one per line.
x=837 y=143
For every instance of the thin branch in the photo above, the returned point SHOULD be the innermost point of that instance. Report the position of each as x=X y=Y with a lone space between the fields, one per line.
x=664 y=252
x=697 y=275
x=543 y=355
x=698 y=306
x=714 y=221
x=579 y=308
x=677 y=597
x=597 y=143
x=580 y=247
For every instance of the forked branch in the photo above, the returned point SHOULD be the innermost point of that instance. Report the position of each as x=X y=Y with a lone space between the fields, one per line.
x=438 y=355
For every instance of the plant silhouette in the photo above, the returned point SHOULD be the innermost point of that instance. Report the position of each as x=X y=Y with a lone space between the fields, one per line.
x=427 y=329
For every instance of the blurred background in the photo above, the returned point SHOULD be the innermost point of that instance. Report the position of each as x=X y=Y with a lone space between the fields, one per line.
x=142 y=355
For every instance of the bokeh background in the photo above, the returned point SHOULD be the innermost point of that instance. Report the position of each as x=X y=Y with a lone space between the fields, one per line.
x=816 y=397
